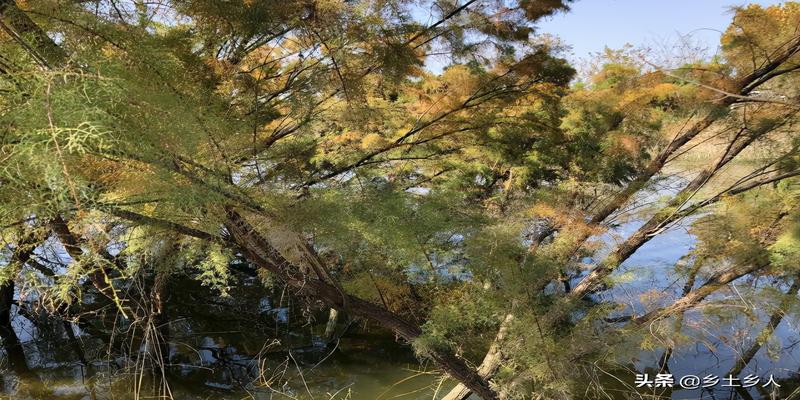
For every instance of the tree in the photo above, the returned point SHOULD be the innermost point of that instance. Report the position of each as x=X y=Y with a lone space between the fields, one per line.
x=738 y=101
x=308 y=141
x=246 y=126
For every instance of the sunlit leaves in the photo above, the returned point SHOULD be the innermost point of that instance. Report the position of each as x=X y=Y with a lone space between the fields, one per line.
x=757 y=32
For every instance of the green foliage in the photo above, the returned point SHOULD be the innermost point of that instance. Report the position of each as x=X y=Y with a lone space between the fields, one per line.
x=457 y=320
x=214 y=270
x=319 y=122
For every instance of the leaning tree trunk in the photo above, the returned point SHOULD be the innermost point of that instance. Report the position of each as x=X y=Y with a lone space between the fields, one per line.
x=16 y=23
x=265 y=256
x=491 y=362
x=746 y=85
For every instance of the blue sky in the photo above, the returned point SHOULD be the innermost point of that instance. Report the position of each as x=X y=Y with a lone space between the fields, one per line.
x=593 y=24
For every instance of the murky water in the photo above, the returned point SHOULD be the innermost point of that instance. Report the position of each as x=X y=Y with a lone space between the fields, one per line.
x=368 y=368
x=225 y=349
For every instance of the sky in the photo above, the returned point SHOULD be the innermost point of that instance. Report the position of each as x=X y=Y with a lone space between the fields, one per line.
x=593 y=24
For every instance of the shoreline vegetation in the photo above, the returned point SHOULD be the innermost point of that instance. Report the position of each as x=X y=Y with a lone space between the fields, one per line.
x=281 y=200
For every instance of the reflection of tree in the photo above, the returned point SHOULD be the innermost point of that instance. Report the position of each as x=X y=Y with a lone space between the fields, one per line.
x=11 y=343
x=20 y=254
x=764 y=335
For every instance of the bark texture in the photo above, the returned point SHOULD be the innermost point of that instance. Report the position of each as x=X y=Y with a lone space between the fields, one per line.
x=260 y=252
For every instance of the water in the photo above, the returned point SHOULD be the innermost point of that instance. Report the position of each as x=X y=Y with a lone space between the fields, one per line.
x=365 y=366
x=226 y=350
x=231 y=350
x=716 y=345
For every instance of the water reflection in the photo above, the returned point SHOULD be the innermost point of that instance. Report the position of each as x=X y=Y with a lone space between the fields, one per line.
x=219 y=348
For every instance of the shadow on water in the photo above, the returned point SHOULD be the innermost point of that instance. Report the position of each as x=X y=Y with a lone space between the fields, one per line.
x=371 y=367
x=220 y=348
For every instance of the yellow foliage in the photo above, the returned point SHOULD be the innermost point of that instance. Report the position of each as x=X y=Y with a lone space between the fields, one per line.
x=346 y=137
x=373 y=141
x=662 y=90
x=627 y=142
x=459 y=82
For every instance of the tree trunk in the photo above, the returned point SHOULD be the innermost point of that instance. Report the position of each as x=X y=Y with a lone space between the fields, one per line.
x=23 y=29
x=745 y=86
x=330 y=327
x=490 y=364
x=260 y=252
x=72 y=246
x=661 y=219
x=694 y=297
x=74 y=343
